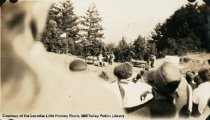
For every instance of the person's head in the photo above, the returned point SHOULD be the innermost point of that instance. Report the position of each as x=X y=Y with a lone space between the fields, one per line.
x=138 y=76
x=123 y=71
x=77 y=65
x=166 y=79
x=204 y=74
x=190 y=76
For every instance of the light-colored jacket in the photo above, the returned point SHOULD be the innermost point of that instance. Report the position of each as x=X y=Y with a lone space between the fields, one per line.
x=131 y=93
x=201 y=95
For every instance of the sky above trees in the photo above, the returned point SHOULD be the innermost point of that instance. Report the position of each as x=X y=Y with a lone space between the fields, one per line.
x=130 y=18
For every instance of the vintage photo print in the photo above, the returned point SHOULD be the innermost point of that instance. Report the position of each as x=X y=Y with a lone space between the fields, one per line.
x=105 y=59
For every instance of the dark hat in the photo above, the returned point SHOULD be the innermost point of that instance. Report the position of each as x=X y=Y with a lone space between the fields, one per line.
x=77 y=65
x=204 y=74
x=123 y=71
x=165 y=79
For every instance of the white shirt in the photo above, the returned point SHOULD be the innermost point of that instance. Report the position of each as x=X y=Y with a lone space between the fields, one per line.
x=115 y=88
x=100 y=57
x=131 y=93
x=201 y=95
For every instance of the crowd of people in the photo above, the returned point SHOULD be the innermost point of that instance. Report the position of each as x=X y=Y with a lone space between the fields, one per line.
x=101 y=60
x=158 y=90
x=199 y=83
x=108 y=59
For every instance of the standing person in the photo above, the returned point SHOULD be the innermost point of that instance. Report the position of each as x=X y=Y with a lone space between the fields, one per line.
x=146 y=58
x=152 y=61
x=100 y=60
x=111 y=58
x=108 y=58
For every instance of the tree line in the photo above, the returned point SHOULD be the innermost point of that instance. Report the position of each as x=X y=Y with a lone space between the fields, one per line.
x=182 y=32
x=67 y=33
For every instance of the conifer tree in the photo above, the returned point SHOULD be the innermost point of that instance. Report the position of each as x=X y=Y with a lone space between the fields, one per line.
x=61 y=30
x=92 y=30
x=122 y=51
x=139 y=47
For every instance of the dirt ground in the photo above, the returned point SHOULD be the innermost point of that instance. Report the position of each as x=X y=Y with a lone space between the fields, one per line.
x=196 y=62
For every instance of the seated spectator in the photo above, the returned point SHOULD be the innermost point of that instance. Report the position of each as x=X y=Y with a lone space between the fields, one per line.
x=100 y=60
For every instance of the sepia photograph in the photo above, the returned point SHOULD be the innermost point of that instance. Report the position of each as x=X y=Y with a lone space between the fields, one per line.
x=105 y=59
